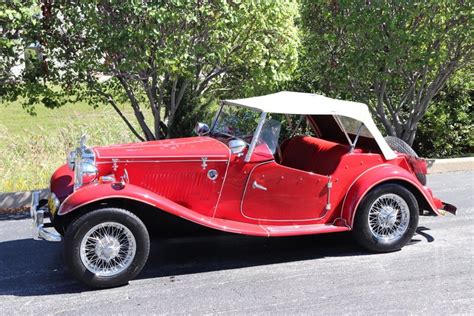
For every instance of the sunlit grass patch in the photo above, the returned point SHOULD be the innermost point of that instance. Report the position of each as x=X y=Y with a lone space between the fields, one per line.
x=31 y=148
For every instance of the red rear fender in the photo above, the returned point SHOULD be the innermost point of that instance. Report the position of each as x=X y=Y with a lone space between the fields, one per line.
x=382 y=174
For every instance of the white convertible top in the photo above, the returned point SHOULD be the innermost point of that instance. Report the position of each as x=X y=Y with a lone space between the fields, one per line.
x=287 y=102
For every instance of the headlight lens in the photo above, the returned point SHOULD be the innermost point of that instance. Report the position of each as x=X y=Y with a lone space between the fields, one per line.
x=53 y=203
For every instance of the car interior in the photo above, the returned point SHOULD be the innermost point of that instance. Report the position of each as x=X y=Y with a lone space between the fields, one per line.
x=311 y=148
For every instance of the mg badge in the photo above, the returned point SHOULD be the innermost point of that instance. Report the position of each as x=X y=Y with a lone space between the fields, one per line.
x=212 y=174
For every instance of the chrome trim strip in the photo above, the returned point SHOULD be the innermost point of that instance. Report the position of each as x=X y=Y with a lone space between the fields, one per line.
x=214 y=121
x=159 y=161
x=222 y=186
x=138 y=157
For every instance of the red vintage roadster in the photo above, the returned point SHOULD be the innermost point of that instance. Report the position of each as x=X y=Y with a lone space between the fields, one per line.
x=277 y=165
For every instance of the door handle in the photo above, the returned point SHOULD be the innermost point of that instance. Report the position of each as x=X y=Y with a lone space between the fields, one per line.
x=255 y=185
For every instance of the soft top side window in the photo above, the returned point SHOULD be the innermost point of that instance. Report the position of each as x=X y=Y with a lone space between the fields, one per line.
x=352 y=126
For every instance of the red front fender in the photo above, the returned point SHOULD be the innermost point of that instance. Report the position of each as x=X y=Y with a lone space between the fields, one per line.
x=62 y=182
x=97 y=192
x=380 y=174
x=101 y=192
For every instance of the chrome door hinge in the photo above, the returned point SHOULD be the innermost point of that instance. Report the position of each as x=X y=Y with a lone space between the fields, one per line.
x=204 y=162
x=328 y=203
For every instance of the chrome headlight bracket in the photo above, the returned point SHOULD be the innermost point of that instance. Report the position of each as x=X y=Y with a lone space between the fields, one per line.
x=71 y=159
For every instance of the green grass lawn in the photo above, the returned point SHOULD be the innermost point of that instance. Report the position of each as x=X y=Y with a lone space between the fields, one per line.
x=32 y=147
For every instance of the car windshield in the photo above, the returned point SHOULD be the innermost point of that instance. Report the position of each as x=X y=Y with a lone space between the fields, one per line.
x=236 y=121
x=241 y=122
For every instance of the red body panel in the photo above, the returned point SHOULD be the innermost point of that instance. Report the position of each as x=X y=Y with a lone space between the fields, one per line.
x=291 y=194
x=62 y=182
x=175 y=176
x=376 y=175
x=182 y=148
x=175 y=169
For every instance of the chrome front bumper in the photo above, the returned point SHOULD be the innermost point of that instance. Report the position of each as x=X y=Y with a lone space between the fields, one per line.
x=40 y=232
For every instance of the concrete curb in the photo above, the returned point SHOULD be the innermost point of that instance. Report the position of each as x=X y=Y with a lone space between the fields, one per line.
x=450 y=165
x=9 y=202
x=19 y=201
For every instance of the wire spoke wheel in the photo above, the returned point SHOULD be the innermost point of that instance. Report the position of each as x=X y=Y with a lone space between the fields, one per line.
x=388 y=217
x=107 y=249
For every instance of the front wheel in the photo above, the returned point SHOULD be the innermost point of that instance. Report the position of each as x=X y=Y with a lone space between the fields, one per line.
x=386 y=218
x=106 y=247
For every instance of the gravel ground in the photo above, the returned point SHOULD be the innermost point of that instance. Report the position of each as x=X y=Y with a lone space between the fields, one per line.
x=233 y=274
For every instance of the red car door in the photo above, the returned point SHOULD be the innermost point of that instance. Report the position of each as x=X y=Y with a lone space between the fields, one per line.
x=277 y=193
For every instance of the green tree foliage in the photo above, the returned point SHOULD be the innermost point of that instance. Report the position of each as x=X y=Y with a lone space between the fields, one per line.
x=157 y=55
x=395 y=56
x=447 y=129
x=17 y=20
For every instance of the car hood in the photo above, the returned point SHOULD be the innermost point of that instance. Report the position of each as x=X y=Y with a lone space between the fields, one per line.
x=168 y=149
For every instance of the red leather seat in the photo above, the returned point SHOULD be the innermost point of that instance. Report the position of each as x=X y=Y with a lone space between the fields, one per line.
x=312 y=154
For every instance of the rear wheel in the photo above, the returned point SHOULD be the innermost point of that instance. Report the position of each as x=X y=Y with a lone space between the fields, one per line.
x=106 y=247
x=386 y=219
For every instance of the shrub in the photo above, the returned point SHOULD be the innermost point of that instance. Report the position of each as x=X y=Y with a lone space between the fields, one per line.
x=447 y=129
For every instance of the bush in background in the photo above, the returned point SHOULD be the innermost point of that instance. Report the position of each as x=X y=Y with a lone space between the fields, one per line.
x=447 y=129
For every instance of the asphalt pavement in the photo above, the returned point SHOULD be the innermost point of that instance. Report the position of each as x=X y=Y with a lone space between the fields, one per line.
x=231 y=274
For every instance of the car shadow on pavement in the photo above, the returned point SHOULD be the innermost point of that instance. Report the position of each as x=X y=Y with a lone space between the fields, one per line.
x=421 y=231
x=225 y=251
x=30 y=268
x=34 y=268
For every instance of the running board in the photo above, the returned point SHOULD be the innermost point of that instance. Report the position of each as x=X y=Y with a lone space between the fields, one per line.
x=312 y=229
x=269 y=230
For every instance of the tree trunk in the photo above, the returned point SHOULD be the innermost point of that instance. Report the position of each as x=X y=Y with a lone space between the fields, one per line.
x=176 y=97
x=136 y=108
x=408 y=134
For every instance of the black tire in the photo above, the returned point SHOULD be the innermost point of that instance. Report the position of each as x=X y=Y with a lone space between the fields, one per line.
x=78 y=229
x=362 y=230
x=402 y=147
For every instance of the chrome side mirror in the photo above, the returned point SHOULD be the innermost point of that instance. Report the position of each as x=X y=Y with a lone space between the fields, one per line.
x=237 y=146
x=201 y=129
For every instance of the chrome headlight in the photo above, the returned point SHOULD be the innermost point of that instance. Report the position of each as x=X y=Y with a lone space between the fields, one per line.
x=85 y=169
